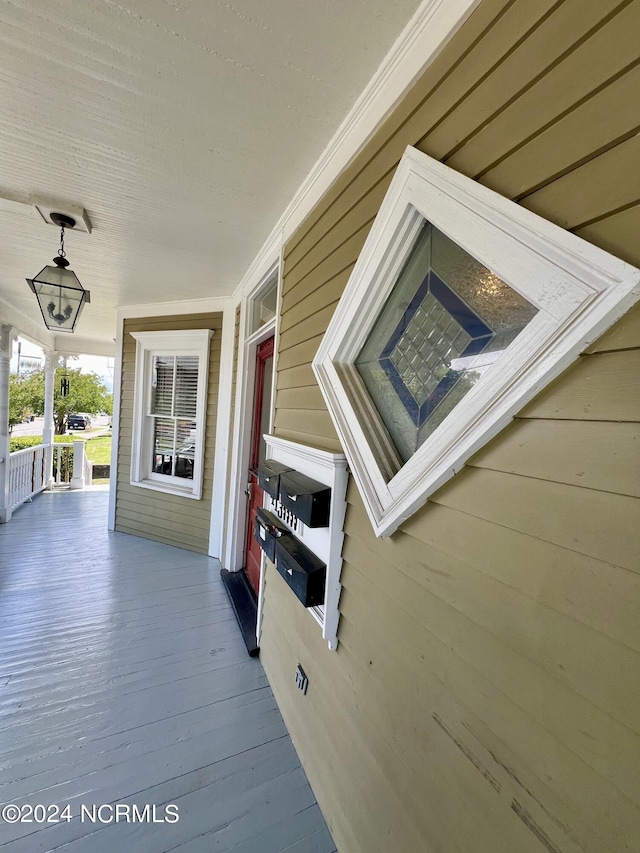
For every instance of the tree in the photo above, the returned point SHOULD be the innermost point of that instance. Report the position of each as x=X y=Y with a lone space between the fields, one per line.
x=87 y=393
x=17 y=400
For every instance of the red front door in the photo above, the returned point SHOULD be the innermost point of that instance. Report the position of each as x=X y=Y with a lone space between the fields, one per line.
x=261 y=414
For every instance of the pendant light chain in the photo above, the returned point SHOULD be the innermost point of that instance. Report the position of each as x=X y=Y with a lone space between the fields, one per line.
x=61 y=251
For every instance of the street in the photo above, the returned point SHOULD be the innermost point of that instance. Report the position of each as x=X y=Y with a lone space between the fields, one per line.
x=35 y=427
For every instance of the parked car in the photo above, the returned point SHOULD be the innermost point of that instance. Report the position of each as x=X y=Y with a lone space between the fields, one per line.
x=78 y=422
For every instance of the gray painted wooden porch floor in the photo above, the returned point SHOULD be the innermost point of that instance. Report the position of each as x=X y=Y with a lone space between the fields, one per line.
x=124 y=679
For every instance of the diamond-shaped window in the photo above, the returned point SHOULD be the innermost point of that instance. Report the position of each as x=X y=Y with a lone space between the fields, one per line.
x=461 y=307
x=433 y=338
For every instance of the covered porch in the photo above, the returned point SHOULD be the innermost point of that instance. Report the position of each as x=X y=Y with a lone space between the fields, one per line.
x=124 y=680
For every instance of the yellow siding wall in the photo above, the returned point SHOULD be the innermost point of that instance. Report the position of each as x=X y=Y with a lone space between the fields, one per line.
x=485 y=694
x=155 y=515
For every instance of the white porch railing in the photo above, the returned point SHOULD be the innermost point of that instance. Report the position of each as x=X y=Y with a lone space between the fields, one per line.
x=78 y=472
x=28 y=475
x=62 y=462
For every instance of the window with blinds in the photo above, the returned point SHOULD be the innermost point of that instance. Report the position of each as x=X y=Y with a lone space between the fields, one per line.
x=174 y=398
x=167 y=452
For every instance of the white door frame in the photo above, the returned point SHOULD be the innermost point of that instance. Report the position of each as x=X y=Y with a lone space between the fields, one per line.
x=233 y=557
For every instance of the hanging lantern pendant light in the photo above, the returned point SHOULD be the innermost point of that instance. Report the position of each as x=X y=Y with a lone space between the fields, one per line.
x=62 y=263
x=60 y=295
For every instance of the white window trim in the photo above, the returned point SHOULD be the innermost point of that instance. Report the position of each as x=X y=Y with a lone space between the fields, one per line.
x=192 y=342
x=579 y=290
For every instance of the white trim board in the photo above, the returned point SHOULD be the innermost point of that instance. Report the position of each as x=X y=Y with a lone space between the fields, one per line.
x=222 y=448
x=243 y=421
x=207 y=305
x=66 y=345
x=115 y=425
x=243 y=410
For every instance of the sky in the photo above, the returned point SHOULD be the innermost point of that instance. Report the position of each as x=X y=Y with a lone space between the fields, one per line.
x=99 y=364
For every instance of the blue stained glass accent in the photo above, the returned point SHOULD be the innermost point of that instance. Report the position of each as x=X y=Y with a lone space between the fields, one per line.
x=474 y=326
x=421 y=380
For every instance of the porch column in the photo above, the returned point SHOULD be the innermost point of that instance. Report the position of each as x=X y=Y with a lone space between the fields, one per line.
x=77 y=480
x=50 y=365
x=7 y=335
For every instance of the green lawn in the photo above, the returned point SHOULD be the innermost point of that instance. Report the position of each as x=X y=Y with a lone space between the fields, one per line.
x=99 y=449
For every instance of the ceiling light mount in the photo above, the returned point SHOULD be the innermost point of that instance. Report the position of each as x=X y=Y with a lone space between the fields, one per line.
x=62 y=220
x=51 y=209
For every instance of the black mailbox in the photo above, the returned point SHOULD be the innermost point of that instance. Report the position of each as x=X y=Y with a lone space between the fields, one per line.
x=267 y=529
x=307 y=499
x=269 y=476
x=303 y=571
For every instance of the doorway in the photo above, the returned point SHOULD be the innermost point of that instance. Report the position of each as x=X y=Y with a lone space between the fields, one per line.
x=260 y=425
x=256 y=329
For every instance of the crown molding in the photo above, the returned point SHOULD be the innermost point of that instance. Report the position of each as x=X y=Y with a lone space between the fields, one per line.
x=427 y=32
x=262 y=265
x=166 y=309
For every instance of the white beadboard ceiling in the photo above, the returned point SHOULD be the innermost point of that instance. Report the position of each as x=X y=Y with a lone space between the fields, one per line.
x=184 y=127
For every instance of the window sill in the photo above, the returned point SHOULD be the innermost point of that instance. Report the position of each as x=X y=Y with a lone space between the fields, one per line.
x=167 y=488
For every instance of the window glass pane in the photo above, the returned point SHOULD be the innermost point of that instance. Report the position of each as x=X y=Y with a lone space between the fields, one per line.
x=185 y=449
x=162 y=385
x=265 y=412
x=264 y=307
x=174 y=394
x=163 y=445
x=447 y=319
x=174 y=447
x=498 y=304
x=186 y=393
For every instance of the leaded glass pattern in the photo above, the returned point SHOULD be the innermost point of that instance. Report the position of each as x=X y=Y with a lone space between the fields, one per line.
x=431 y=334
x=447 y=319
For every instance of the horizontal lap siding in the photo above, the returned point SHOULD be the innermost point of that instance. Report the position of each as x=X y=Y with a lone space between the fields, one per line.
x=485 y=690
x=155 y=515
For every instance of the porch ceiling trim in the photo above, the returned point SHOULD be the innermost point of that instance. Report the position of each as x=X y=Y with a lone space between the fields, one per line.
x=25 y=327
x=166 y=309
x=84 y=346
x=427 y=32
